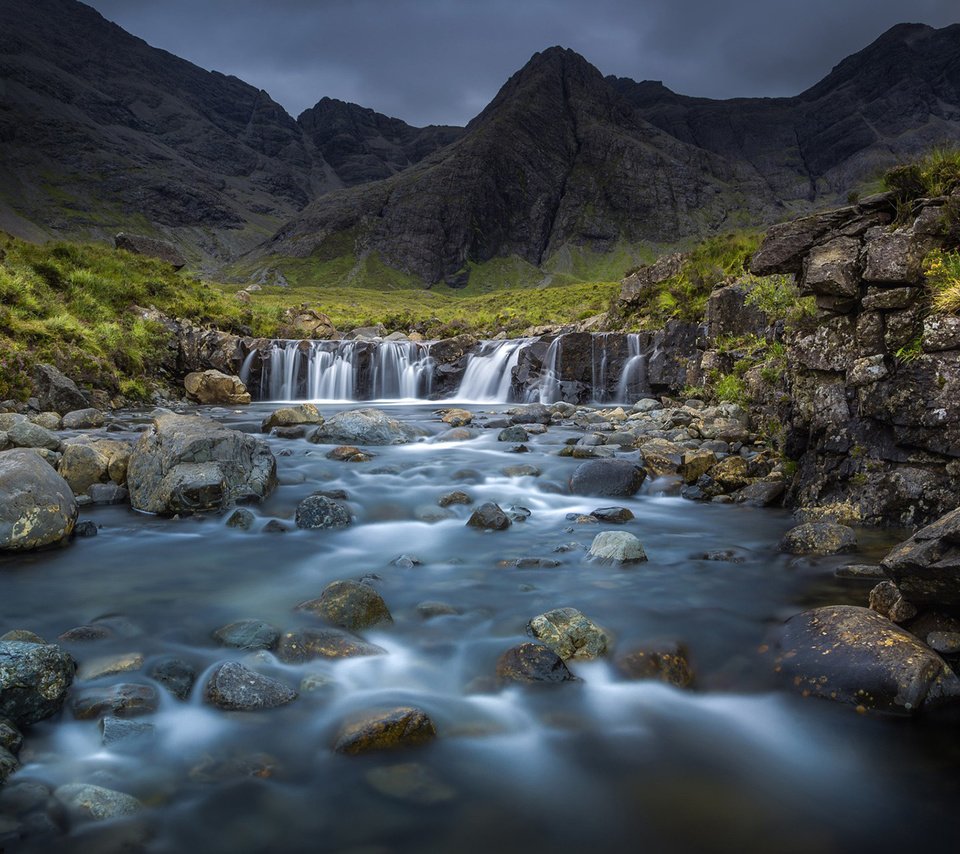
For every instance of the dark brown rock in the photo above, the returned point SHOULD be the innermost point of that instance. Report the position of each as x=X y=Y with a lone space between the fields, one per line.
x=308 y=644
x=403 y=726
x=532 y=663
x=349 y=604
x=664 y=662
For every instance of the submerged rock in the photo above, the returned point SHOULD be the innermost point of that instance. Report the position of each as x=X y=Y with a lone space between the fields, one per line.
x=532 y=663
x=308 y=644
x=186 y=463
x=95 y=802
x=176 y=675
x=617 y=547
x=607 y=477
x=115 y=730
x=569 y=633
x=404 y=726
x=350 y=605
x=411 y=783
x=665 y=662
x=236 y=688
x=34 y=679
x=819 y=538
x=248 y=634
x=126 y=700
x=853 y=655
x=37 y=507
x=364 y=427
x=455 y=497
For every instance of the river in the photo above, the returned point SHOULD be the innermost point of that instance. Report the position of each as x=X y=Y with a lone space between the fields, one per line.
x=734 y=763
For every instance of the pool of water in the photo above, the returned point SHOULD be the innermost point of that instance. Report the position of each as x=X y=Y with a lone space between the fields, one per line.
x=605 y=764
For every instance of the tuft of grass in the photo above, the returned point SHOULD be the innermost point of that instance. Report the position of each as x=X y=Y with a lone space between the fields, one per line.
x=936 y=174
x=942 y=273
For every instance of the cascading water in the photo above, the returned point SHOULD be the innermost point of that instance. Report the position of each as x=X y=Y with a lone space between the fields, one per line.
x=550 y=373
x=489 y=373
x=633 y=376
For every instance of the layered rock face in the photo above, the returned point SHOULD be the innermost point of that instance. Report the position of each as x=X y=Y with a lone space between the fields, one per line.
x=874 y=418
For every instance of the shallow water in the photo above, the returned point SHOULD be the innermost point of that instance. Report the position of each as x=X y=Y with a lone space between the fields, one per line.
x=608 y=765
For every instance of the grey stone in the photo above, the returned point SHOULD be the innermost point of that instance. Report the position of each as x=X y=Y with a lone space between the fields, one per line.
x=569 y=633
x=617 y=547
x=96 y=802
x=320 y=512
x=233 y=687
x=37 y=507
x=34 y=680
x=83 y=419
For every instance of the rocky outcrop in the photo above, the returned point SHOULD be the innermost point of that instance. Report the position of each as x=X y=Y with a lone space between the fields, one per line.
x=874 y=411
x=37 y=507
x=185 y=464
x=926 y=567
x=151 y=247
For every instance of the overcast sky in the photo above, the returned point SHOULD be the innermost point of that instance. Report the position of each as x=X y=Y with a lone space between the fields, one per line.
x=441 y=61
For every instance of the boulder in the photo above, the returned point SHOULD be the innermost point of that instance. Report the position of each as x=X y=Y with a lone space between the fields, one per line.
x=55 y=391
x=186 y=463
x=291 y=416
x=404 y=726
x=568 y=633
x=37 y=507
x=532 y=663
x=819 y=538
x=139 y=244
x=617 y=547
x=83 y=419
x=234 y=687
x=350 y=605
x=320 y=512
x=607 y=477
x=26 y=434
x=216 y=387
x=489 y=517
x=926 y=567
x=88 y=461
x=34 y=679
x=364 y=427
x=853 y=655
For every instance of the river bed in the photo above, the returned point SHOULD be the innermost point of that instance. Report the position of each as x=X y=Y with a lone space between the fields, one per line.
x=734 y=763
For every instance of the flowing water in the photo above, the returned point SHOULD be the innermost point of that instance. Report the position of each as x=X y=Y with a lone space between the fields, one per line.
x=602 y=765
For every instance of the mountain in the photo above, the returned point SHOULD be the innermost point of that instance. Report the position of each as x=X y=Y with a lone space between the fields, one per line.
x=564 y=157
x=101 y=132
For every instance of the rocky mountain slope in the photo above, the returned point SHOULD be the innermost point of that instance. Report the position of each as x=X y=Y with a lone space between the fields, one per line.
x=564 y=156
x=101 y=132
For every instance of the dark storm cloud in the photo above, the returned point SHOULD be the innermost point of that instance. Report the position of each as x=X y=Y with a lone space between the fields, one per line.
x=441 y=61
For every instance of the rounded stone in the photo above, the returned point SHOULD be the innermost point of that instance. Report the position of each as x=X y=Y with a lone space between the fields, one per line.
x=236 y=688
x=532 y=663
x=248 y=634
x=404 y=726
x=37 y=506
x=96 y=802
x=607 y=477
x=819 y=538
x=569 y=633
x=664 y=662
x=489 y=517
x=34 y=679
x=617 y=547
x=320 y=512
x=308 y=644
x=350 y=605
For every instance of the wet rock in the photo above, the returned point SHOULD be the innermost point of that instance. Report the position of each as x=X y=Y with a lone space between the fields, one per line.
x=456 y=417
x=297 y=432
x=186 y=463
x=10 y=737
x=819 y=538
x=126 y=700
x=86 y=462
x=23 y=635
x=532 y=563
x=34 y=679
x=521 y=471
x=517 y=513
x=25 y=434
x=532 y=663
x=308 y=644
x=926 y=567
x=406 y=561
x=410 y=782
x=664 y=662
x=946 y=643
x=350 y=605
x=568 y=633
x=853 y=655
x=348 y=454
x=116 y=730
x=404 y=726
x=887 y=601
x=110 y=665
x=534 y=413
x=455 y=497
x=8 y=764
x=612 y=515
x=318 y=511
x=241 y=518
x=236 y=688
x=607 y=477
x=87 y=418
x=730 y=474
x=857 y=571
x=107 y=494
x=248 y=634
x=291 y=416
x=176 y=675
x=275 y=526
x=617 y=547
x=84 y=634
x=516 y=433
x=489 y=517
x=86 y=528
x=364 y=427
x=37 y=507
x=763 y=493
x=95 y=802
x=216 y=387
x=430 y=609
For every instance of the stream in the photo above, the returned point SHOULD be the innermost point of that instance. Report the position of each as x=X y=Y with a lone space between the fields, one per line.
x=734 y=763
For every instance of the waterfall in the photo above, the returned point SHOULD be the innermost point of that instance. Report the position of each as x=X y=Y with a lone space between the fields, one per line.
x=401 y=369
x=550 y=373
x=489 y=372
x=598 y=372
x=633 y=376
